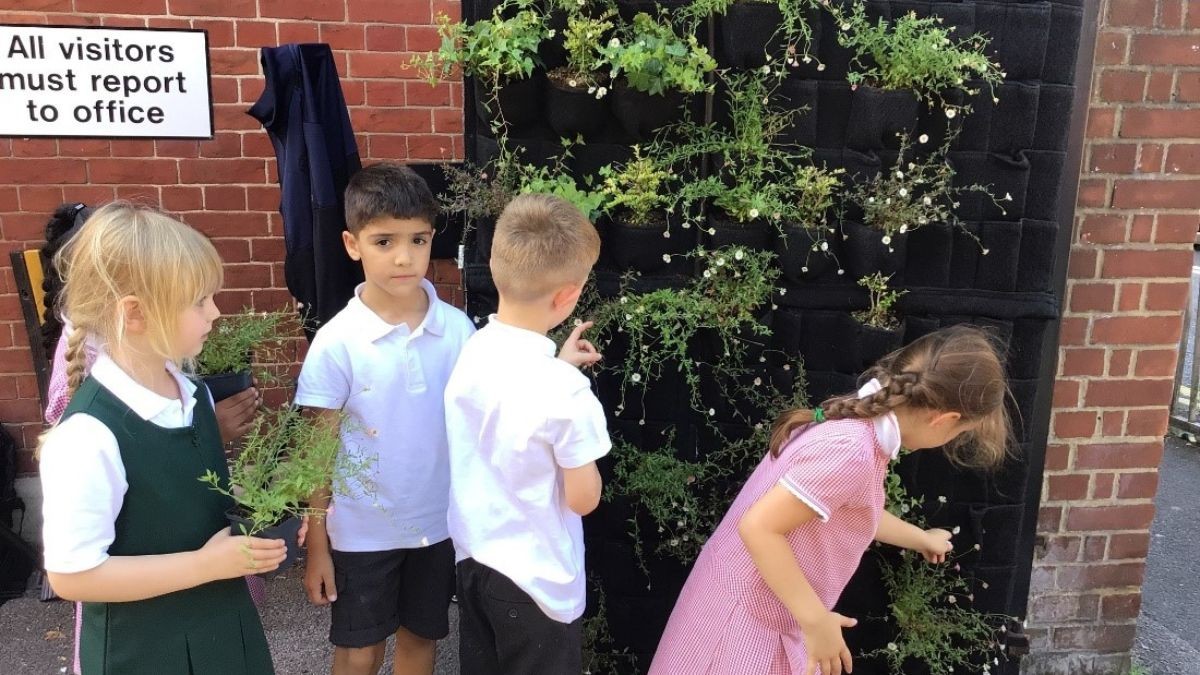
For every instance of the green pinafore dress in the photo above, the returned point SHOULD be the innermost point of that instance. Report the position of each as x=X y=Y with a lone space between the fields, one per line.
x=212 y=629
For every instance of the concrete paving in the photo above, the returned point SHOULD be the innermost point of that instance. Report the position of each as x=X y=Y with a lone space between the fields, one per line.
x=36 y=636
x=1168 y=641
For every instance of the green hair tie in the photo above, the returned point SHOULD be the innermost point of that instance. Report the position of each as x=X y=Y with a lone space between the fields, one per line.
x=818 y=415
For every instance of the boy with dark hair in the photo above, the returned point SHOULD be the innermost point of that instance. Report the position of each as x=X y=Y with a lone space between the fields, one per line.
x=384 y=560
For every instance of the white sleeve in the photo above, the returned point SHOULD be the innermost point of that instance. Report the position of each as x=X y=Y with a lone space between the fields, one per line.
x=577 y=429
x=324 y=380
x=83 y=487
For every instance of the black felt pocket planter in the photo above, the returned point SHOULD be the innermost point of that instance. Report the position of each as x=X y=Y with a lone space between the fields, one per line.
x=865 y=253
x=721 y=231
x=875 y=343
x=930 y=249
x=641 y=114
x=878 y=115
x=519 y=101
x=1020 y=33
x=572 y=110
x=645 y=249
x=749 y=34
x=807 y=254
x=802 y=96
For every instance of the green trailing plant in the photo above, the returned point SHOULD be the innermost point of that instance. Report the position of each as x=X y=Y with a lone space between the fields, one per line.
x=916 y=191
x=561 y=184
x=911 y=53
x=879 y=314
x=238 y=340
x=755 y=175
x=600 y=654
x=930 y=605
x=582 y=41
x=493 y=50
x=793 y=26
x=660 y=326
x=285 y=457
x=638 y=189
x=653 y=58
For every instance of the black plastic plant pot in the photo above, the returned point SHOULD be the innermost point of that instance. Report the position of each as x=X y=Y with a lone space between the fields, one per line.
x=807 y=254
x=749 y=35
x=878 y=115
x=865 y=252
x=572 y=110
x=519 y=101
x=224 y=385
x=875 y=343
x=721 y=231
x=641 y=114
x=288 y=529
x=645 y=249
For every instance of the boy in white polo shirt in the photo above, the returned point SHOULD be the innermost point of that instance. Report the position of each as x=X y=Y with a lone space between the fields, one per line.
x=525 y=432
x=384 y=560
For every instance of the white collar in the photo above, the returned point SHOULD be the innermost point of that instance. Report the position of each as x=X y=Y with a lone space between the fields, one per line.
x=525 y=337
x=374 y=327
x=145 y=403
x=887 y=427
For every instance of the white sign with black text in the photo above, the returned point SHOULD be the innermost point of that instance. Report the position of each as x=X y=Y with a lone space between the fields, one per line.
x=61 y=81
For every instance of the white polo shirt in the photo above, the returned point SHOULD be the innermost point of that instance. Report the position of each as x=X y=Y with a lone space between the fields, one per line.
x=516 y=416
x=389 y=381
x=83 y=477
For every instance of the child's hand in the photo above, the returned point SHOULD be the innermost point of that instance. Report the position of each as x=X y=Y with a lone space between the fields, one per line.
x=229 y=556
x=577 y=351
x=826 y=647
x=302 y=534
x=236 y=413
x=318 y=577
x=936 y=546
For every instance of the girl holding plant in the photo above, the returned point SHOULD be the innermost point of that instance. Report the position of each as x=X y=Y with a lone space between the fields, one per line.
x=129 y=530
x=760 y=598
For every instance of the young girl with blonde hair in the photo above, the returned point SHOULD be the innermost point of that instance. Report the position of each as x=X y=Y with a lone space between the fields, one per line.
x=129 y=529
x=761 y=595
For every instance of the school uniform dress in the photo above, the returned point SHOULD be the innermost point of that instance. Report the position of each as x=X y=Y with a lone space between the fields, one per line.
x=727 y=621
x=517 y=416
x=120 y=476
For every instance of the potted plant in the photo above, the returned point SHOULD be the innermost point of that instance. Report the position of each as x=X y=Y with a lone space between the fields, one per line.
x=916 y=191
x=230 y=350
x=501 y=54
x=638 y=205
x=880 y=333
x=575 y=100
x=899 y=63
x=804 y=247
x=653 y=72
x=479 y=194
x=286 y=456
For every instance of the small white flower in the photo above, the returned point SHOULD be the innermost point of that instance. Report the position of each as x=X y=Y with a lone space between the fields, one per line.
x=624 y=299
x=922 y=220
x=787 y=366
x=952 y=600
x=738 y=254
x=887 y=240
x=951 y=113
x=845 y=26
x=956 y=530
x=892 y=647
x=820 y=67
x=753 y=213
x=707 y=274
x=552 y=32
x=766 y=70
x=592 y=89
x=614 y=43
x=986 y=251
x=923 y=138
x=978 y=547
x=720 y=262
x=841 y=272
x=985 y=585
x=711 y=413
x=628 y=316
x=941 y=499
x=903 y=192
x=870 y=200
x=927 y=201
x=804 y=269
x=903 y=229
x=577 y=322
x=807 y=59
x=758 y=381
x=899 y=174
x=995 y=99
x=783 y=291
x=666 y=234
x=824 y=246
x=636 y=377
x=766 y=101
x=601 y=92
x=1008 y=196
x=712 y=230
x=572 y=83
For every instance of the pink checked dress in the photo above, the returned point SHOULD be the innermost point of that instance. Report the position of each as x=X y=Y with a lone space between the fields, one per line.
x=727 y=621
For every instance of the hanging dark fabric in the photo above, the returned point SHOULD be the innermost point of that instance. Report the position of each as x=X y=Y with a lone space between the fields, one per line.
x=303 y=111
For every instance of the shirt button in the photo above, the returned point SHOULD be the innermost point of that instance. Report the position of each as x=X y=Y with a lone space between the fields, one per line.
x=512 y=613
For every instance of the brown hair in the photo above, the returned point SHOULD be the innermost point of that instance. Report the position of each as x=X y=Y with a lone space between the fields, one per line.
x=542 y=242
x=388 y=190
x=956 y=369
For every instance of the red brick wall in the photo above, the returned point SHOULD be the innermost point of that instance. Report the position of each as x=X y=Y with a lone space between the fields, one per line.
x=1130 y=264
x=226 y=187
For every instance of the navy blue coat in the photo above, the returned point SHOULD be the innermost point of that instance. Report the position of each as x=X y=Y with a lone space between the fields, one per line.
x=304 y=112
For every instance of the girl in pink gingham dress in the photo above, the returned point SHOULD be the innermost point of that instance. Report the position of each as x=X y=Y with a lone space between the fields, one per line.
x=760 y=597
